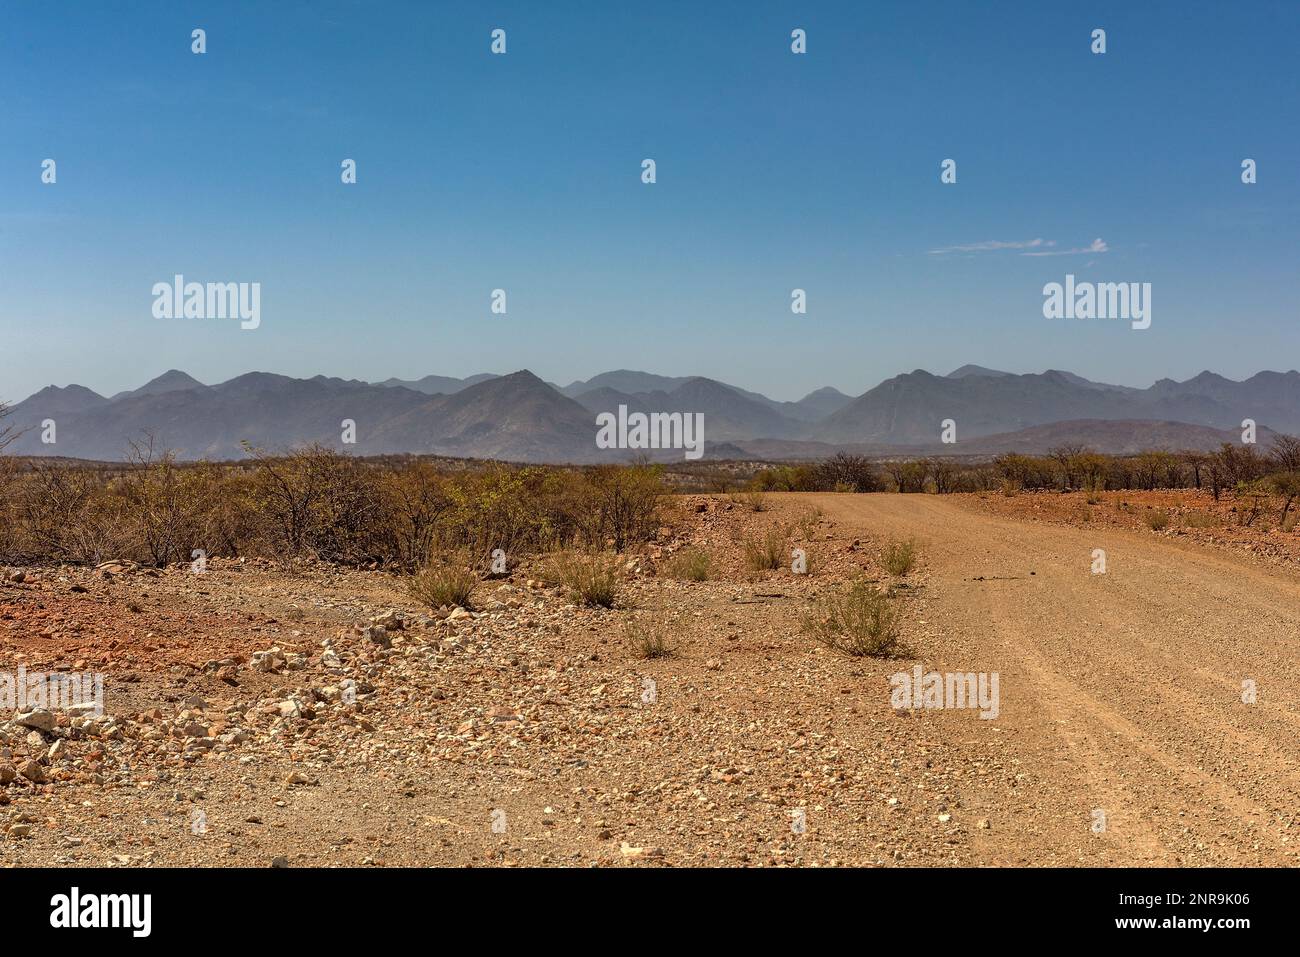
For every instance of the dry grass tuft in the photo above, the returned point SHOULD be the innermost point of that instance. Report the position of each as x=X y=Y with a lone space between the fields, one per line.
x=899 y=557
x=691 y=565
x=767 y=552
x=859 y=622
x=1156 y=520
x=592 y=579
x=647 y=639
x=447 y=582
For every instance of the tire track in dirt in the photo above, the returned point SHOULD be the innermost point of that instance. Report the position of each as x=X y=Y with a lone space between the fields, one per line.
x=1120 y=691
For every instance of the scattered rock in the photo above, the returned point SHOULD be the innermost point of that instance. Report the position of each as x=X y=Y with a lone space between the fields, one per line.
x=39 y=720
x=631 y=853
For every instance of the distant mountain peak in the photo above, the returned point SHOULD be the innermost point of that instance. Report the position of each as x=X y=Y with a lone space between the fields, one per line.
x=70 y=389
x=438 y=384
x=172 y=379
x=524 y=376
x=971 y=369
x=60 y=400
x=826 y=391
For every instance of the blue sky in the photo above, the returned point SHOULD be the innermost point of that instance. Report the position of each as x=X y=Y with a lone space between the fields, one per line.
x=522 y=171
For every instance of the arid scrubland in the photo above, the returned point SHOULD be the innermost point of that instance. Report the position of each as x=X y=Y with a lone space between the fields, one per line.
x=311 y=660
x=406 y=512
x=655 y=705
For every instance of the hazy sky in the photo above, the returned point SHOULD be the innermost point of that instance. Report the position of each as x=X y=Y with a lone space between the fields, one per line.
x=523 y=172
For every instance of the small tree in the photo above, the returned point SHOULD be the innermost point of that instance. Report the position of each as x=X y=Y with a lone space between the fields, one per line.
x=843 y=469
x=1091 y=469
x=625 y=500
x=944 y=474
x=1284 y=454
x=908 y=475
x=1014 y=468
x=1240 y=463
x=1251 y=495
x=1066 y=457
x=1286 y=484
x=1196 y=462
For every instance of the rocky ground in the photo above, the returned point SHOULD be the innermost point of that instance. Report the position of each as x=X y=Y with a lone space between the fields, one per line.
x=257 y=715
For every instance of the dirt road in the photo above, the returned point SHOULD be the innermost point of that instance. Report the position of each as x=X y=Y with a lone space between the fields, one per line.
x=1120 y=692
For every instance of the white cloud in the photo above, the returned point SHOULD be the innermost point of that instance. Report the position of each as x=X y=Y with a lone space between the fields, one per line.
x=1026 y=247
x=1096 y=246
x=992 y=245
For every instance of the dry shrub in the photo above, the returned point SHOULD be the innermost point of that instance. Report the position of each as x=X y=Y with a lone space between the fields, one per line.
x=417 y=501
x=591 y=579
x=691 y=565
x=1251 y=497
x=169 y=511
x=68 y=513
x=8 y=515
x=897 y=557
x=1156 y=520
x=621 y=504
x=845 y=473
x=647 y=639
x=859 y=622
x=448 y=581
x=766 y=552
x=809 y=520
x=319 y=503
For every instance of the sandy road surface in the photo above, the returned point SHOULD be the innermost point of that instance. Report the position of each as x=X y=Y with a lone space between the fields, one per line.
x=1121 y=692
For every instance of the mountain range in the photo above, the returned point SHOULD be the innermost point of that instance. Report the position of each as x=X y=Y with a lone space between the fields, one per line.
x=519 y=417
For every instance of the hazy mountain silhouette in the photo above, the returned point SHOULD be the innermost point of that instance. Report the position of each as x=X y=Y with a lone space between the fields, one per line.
x=909 y=408
x=521 y=417
x=439 y=384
